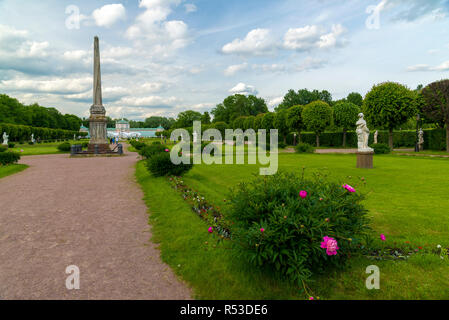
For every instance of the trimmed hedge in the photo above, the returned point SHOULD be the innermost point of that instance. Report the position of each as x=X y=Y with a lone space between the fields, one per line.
x=9 y=158
x=434 y=139
x=23 y=133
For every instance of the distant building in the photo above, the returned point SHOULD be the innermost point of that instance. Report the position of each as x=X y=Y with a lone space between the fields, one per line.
x=123 y=128
x=85 y=129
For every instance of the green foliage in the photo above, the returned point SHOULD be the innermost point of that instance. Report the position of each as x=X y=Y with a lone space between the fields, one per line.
x=22 y=133
x=11 y=145
x=238 y=123
x=381 y=148
x=388 y=105
x=249 y=122
x=185 y=119
x=3 y=148
x=346 y=115
x=153 y=122
x=205 y=118
x=14 y=112
x=258 y=121
x=65 y=146
x=293 y=228
x=138 y=145
x=221 y=126
x=149 y=150
x=303 y=147
x=9 y=158
x=304 y=97
x=267 y=121
x=317 y=116
x=280 y=123
x=160 y=165
x=294 y=118
x=238 y=105
x=355 y=98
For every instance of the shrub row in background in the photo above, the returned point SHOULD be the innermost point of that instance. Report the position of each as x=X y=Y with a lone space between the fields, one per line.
x=23 y=133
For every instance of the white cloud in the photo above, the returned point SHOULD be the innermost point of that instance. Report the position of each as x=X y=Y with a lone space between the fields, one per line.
x=256 y=42
x=245 y=89
x=109 y=14
x=149 y=101
x=312 y=37
x=190 y=7
x=75 y=55
x=425 y=67
x=274 y=102
x=57 y=85
x=233 y=69
x=153 y=87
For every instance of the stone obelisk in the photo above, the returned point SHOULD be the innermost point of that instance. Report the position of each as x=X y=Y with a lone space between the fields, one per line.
x=97 y=121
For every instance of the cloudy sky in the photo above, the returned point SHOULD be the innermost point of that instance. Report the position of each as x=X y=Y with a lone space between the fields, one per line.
x=160 y=57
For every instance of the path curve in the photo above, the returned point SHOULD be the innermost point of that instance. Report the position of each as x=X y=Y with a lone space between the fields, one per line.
x=86 y=212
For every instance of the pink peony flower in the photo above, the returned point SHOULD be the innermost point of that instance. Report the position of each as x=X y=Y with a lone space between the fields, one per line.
x=331 y=246
x=262 y=230
x=303 y=194
x=210 y=230
x=349 y=188
x=382 y=237
x=311 y=298
x=167 y=150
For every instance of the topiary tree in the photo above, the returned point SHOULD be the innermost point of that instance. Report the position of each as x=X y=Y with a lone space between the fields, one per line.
x=294 y=119
x=258 y=121
x=436 y=104
x=238 y=122
x=317 y=116
x=280 y=123
x=268 y=121
x=388 y=105
x=346 y=116
x=249 y=122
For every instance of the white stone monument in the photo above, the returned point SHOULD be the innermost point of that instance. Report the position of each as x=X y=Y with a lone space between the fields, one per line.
x=32 y=138
x=5 y=139
x=364 y=152
x=421 y=139
x=375 y=136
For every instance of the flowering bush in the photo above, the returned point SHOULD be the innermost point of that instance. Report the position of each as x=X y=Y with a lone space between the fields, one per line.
x=149 y=150
x=160 y=164
x=296 y=226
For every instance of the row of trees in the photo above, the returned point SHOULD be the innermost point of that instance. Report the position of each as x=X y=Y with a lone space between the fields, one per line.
x=14 y=112
x=387 y=106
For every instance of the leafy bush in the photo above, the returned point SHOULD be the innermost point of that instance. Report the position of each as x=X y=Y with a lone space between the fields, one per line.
x=9 y=158
x=85 y=144
x=280 y=222
x=282 y=145
x=11 y=145
x=65 y=146
x=137 y=144
x=3 y=148
x=30 y=143
x=160 y=165
x=381 y=148
x=303 y=147
x=149 y=150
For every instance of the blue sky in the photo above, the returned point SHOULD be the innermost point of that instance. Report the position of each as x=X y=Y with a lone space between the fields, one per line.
x=160 y=57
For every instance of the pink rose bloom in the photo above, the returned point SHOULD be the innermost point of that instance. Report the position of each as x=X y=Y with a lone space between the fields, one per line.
x=331 y=246
x=349 y=188
x=210 y=230
x=262 y=230
x=311 y=298
x=167 y=150
x=382 y=237
x=303 y=194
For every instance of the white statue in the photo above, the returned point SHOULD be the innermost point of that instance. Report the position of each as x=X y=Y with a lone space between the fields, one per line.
x=32 y=138
x=375 y=136
x=362 y=135
x=421 y=139
x=5 y=139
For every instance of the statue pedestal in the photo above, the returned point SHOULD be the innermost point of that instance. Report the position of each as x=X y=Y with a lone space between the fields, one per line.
x=365 y=160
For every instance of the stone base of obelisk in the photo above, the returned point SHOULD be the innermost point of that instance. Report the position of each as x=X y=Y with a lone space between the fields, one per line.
x=98 y=148
x=365 y=160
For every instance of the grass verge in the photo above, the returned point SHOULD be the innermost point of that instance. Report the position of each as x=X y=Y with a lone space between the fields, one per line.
x=11 y=169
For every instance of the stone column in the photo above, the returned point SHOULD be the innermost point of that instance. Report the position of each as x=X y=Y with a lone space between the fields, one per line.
x=97 y=120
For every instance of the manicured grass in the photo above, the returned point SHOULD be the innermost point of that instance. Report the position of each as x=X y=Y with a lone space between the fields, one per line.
x=11 y=169
x=40 y=148
x=407 y=199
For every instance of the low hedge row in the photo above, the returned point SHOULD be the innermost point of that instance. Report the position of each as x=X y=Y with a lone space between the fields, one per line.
x=9 y=158
x=23 y=133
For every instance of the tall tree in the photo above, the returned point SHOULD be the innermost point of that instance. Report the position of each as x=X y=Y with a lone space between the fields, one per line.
x=238 y=105
x=294 y=119
x=304 y=97
x=388 y=105
x=346 y=116
x=185 y=119
x=436 y=104
x=355 y=98
x=205 y=118
x=280 y=123
x=317 y=116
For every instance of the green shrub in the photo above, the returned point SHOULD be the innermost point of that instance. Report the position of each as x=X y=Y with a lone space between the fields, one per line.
x=9 y=158
x=11 y=145
x=149 y=150
x=303 y=147
x=85 y=144
x=137 y=144
x=160 y=165
x=275 y=228
x=65 y=146
x=3 y=148
x=381 y=148
x=282 y=145
x=30 y=143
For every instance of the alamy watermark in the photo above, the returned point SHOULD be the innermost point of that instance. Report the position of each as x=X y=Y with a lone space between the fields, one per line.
x=373 y=281
x=373 y=20
x=234 y=140
x=73 y=280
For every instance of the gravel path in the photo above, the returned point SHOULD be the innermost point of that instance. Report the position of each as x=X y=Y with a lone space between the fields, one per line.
x=86 y=212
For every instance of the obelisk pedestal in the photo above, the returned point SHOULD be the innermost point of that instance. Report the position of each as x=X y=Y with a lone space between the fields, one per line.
x=97 y=120
x=365 y=159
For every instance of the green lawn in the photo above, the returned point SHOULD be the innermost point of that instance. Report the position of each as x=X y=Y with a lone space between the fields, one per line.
x=40 y=148
x=11 y=169
x=407 y=199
